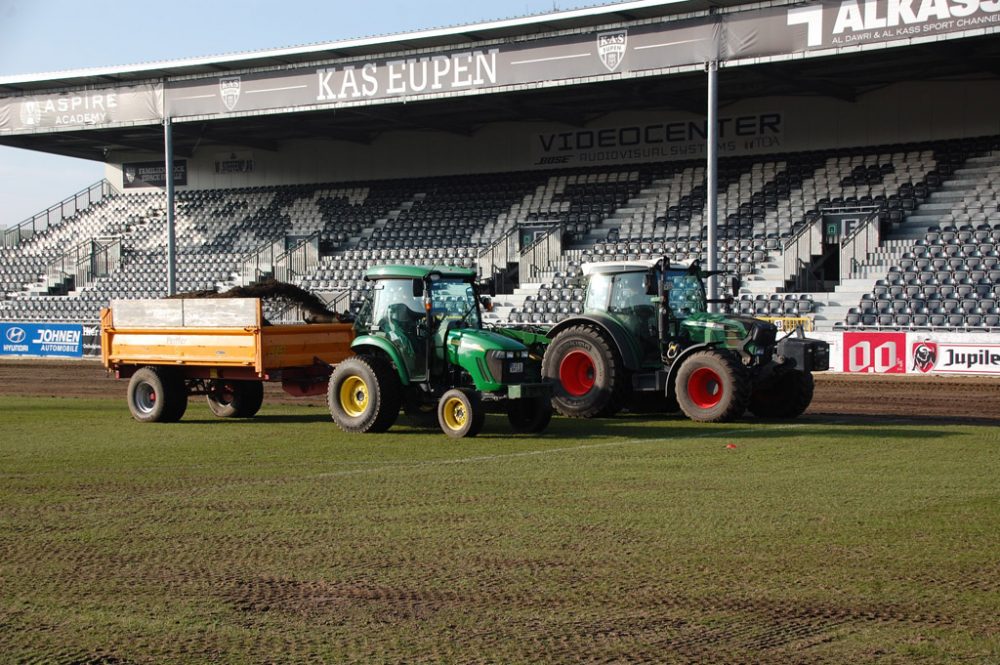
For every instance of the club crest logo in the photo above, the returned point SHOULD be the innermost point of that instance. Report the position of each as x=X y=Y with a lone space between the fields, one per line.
x=229 y=87
x=924 y=356
x=611 y=48
x=31 y=113
x=130 y=174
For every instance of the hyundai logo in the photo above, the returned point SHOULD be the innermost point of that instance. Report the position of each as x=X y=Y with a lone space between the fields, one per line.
x=15 y=335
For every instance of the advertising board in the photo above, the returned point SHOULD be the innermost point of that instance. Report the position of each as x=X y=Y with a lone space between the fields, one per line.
x=41 y=339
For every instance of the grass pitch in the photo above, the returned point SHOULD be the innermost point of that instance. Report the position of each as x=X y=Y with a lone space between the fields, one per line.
x=628 y=540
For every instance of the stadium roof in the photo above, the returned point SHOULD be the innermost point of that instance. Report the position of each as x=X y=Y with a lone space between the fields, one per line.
x=435 y=38
x=844 y=75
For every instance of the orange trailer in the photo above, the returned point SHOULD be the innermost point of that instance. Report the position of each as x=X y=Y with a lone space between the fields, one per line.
x=170 y=349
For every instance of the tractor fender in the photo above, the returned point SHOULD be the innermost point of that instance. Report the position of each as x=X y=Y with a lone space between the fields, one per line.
x=614 y=330
x=375 y=344
x=676 y=365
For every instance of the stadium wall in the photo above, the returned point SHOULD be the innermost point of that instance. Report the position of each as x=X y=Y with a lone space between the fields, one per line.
x=900 y=113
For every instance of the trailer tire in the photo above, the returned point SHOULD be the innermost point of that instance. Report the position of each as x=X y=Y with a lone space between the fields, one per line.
x=787 y=395
x=588 y=376
x=235 y=399
x=460 y=413
x=529 y=415
x=157 y=395
x=713 y=387
x=364 y=394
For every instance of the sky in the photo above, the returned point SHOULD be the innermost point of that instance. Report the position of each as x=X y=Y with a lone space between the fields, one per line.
x=57 y=35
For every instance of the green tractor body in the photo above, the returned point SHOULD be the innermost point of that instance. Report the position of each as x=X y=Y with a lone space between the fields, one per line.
x=646 y=338
x=420 y=345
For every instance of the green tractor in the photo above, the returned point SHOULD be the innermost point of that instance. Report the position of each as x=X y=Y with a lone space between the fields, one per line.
x=646 y=340
x=420 y=345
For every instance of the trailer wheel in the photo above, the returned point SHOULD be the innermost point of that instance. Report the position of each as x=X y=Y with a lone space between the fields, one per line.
x=529 y=415
x=157 y=395
x=364 y=394
x=461 y=413
x=712 y=386
x=788 y=395
x=588 y=376
x=235 y=399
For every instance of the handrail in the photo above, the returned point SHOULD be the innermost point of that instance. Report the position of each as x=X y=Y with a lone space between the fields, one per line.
x=859 y=244
x=807 y=241
x=86 y=262
x=498 y=255
x=541 y=253
x=260 y=261
x=82 y=200
x=299 y=260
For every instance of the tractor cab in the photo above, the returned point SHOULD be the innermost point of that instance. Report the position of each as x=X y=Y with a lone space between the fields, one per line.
x=415 y=309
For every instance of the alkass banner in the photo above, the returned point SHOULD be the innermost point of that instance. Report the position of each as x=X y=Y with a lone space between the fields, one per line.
x=920 y=353
x=85 y=108
x=617 y=51
x=41 y=339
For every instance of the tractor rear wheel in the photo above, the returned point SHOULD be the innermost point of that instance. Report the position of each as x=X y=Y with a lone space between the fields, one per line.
x=787 y=395
x=235 y=399
x=364 y=394
x=712 y=386
x=461 y=413
x=588 y=375
x=529 y=415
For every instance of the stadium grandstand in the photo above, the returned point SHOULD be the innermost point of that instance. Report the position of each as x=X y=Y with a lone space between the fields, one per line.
x=842 y=158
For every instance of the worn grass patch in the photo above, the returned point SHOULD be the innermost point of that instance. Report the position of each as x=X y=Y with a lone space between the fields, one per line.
x=628 y=540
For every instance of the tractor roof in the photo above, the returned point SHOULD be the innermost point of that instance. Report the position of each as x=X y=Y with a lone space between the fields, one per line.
x=636 y=265
x=419 y=272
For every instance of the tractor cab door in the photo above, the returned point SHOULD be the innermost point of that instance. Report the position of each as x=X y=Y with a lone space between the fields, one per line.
x=623 y=296
x=398 y=315
x=454 y=306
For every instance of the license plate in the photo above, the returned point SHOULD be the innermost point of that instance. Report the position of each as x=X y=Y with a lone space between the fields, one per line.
x=516 y=368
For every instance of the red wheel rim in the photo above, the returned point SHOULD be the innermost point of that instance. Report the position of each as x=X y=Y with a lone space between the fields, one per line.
x=705 y=388
x=576 y=373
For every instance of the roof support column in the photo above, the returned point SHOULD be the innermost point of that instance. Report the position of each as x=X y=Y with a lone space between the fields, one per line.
x=712 y=181
x=168 y=174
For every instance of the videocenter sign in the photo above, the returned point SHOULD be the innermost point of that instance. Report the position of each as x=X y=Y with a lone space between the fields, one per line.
x=625 y=50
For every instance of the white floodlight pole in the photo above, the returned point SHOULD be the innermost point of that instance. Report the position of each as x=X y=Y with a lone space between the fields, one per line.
x=168 y=174
x=712 y=181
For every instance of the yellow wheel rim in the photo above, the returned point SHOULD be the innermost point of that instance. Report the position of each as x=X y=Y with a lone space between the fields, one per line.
x=354 y=396
x=455 y=414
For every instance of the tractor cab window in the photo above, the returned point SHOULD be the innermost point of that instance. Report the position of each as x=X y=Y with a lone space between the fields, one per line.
x=598 y=289
x=687 y=293
x=454 y=302
x=395 y=310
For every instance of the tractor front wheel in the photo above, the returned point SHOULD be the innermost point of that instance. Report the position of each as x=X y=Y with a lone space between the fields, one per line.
x=712 y=386
x=461 y=413
x=787 y=395
x=529 y=415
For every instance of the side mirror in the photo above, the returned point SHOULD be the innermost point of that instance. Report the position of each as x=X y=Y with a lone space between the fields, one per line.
x=418 y=288
x=649 y=283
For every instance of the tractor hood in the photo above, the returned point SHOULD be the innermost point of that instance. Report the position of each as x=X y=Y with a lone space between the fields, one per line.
x=491 y=359
x=473 y=341
x=729 y=329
